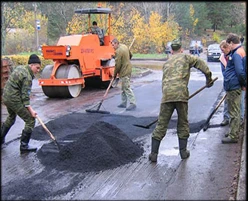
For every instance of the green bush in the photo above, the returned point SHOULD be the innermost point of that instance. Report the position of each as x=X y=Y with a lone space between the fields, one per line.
x=216 y=37
x=23 y=60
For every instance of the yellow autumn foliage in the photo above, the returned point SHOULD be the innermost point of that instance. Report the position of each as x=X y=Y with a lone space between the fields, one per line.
x=139 y=31
x=78 y=24
x=29 y=24
x=192 y=15
x=125 y=26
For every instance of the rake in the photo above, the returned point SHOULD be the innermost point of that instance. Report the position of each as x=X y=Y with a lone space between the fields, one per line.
x=97 y=106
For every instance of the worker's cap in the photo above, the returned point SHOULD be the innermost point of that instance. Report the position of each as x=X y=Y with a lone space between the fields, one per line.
x=34 y=59
x=176 y=44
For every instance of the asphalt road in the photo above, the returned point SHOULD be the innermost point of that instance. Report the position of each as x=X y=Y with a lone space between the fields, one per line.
x=207 y=175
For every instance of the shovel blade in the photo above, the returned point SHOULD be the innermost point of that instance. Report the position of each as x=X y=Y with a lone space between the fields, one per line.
x=97 y=111
x=49 y=148
x=141 y=126
x=205 y=127
x=58 y=145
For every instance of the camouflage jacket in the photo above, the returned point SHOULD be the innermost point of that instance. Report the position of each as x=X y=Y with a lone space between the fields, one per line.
x=18 y=87
x=98 y=31
x=123 y=65
x=176 y=74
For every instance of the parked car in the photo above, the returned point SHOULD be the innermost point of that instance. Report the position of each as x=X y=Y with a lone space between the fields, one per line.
x=168 y=48
x=192 y=46
x=213 y=52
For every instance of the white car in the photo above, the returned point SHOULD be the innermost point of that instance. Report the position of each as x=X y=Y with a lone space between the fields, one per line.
x=213 y=52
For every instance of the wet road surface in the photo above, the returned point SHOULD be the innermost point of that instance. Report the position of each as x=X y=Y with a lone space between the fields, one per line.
x=24 y=177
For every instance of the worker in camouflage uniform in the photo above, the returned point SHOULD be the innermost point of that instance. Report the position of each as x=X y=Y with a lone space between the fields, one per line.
x=176 y=74
x=16 y=97
x=123 y=67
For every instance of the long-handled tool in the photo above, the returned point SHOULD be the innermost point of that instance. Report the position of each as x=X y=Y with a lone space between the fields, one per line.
x=49 y=133
x=97 y=106
x=206 y=125
x=116 y=81
x=131 y=44
x=150 y=124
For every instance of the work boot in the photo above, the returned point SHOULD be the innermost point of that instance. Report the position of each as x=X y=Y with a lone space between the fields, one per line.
x=154 y=150
x=131 y=107
x=24 y=147
x=224 y=122
x=184 y=153
x=122 y=105
x=4 y=131
x=228 y=140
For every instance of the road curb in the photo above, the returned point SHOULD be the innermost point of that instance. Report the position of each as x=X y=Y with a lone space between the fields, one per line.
x=148 y=59
x=241 y=191
x=144 y=73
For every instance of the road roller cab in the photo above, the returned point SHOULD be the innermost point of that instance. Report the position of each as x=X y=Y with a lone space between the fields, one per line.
x=78 y=60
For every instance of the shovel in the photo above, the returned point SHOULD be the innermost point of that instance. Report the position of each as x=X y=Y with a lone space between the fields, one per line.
x=206 y=125
x=49 y=133
x=150 y=124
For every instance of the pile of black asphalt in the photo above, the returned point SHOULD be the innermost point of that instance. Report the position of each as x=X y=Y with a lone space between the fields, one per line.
x=102 y=146
x=89 y=142
x=94 y=141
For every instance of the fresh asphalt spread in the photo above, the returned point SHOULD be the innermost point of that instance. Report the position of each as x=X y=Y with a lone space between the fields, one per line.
x=89 y=143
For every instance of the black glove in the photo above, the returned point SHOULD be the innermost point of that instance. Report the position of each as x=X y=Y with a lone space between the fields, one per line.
x=209 y=83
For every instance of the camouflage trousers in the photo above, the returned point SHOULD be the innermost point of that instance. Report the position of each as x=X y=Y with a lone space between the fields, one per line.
x=166 y=111
x=15 y=109
x=127 y=92
x=233 y=103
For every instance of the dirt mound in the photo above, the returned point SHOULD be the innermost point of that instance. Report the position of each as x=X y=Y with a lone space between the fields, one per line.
x=102 y=146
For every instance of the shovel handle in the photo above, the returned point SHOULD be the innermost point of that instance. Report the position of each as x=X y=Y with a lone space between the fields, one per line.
x=212 y=113
x=110 y=84
x=44 y=126
x=131 y=44
x=148 y=126
x=202 y=88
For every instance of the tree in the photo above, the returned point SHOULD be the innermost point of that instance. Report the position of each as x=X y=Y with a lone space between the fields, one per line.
x=118 y=22
x=182 y=17
x=218 y=13
x=194 y=20
x=79 y=22
x=201 y=13
x=59 y=14
x=128 y=23
x=237 y=18
x=151 y=23
x=11 y=14
x=138 y=26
